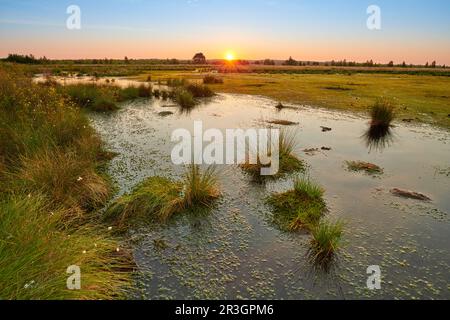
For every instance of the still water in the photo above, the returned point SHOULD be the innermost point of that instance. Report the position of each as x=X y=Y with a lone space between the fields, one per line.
x=236 y=252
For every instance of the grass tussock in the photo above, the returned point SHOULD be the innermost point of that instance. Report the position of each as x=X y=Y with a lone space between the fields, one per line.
x=382 y=113
x=66 y=178
x=288 y=161
x=299 y=208
x=326 y=242
x=51 y=160
x=157 y=199
x=200 y=188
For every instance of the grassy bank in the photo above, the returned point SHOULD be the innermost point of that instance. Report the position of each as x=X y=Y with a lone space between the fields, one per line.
x=51 y=183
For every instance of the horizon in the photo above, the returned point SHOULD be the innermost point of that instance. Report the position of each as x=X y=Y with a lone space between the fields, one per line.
x=412 y=31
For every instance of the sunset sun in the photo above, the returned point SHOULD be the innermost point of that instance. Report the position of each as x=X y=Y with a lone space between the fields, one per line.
x=229 y=56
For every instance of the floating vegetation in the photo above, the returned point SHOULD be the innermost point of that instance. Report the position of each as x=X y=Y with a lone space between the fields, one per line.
x=300 y=208
x=367 y=167
x=282 y=122
x=410 y=194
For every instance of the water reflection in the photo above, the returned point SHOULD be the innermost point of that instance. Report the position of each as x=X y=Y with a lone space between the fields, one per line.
x=378 y=137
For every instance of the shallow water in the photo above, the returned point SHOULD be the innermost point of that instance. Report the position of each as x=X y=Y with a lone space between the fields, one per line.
x=235 y=251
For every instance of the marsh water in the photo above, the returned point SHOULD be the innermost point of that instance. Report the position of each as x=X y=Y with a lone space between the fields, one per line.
x=234 y=251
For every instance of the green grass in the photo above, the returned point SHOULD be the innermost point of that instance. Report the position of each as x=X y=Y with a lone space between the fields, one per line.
x=326 y=242
x=299 y=208
x=157 y=199
x=50 y=185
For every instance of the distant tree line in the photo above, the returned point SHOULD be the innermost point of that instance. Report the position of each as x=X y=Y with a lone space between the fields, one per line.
x=31 y=59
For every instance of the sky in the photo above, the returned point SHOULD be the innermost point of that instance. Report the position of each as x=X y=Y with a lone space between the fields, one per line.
x=415 y=31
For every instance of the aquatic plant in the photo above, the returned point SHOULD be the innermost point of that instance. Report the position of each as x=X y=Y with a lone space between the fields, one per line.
x=326 y=242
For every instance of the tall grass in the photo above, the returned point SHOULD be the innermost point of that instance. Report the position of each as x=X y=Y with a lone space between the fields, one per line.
x=50 y=158
x=200 y=188
x=91 y=96
x=36 y=250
